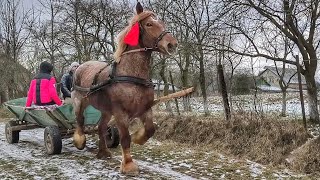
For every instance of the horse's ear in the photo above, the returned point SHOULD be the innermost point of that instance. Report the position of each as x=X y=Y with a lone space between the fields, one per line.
x=139 y=8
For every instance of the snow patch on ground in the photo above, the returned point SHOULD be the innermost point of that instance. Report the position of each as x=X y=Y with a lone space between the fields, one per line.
x=264 y=102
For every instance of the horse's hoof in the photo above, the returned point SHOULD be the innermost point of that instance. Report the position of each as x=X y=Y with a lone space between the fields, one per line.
x=79 y=141
x=130 y=169
x=156 y=126
x=104 y=154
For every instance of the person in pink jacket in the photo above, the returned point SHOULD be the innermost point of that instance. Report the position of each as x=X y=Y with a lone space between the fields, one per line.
x=42 y=91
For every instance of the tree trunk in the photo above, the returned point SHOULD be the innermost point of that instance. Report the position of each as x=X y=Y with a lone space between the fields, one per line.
x=166 y=86
x=312 y=99
x=284 y=104
x=173 y=90
x=224 y=92
x=4 y=95
x=203 y=83
x=186 y=104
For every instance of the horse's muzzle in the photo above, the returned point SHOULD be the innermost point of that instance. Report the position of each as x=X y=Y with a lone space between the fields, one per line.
x=172 y=48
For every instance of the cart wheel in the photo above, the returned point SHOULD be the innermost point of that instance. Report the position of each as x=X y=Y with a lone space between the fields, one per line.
x=11 y=136
x=52 y=140
x=112 y=137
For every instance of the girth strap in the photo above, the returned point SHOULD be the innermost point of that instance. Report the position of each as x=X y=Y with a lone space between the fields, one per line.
x=119 y=79
x=123 y=79
x=133 y=80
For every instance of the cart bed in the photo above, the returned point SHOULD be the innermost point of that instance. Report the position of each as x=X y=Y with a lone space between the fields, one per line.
x=62 y=116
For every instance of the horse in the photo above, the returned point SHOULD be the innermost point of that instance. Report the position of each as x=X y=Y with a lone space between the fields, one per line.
x=123 y=89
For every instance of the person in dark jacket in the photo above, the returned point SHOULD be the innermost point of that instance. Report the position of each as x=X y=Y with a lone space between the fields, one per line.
x=42 y=91
x=66 y=80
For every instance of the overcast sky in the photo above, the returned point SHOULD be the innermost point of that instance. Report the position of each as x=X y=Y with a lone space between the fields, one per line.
x=27 y=4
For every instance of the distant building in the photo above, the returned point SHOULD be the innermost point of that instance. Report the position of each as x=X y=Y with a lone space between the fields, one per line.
x=268 y=79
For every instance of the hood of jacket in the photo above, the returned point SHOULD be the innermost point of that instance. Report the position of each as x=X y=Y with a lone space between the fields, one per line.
x=46 y=67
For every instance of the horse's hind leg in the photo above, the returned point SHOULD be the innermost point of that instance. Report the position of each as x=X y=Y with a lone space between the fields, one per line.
x=127 y=165
x=104 y=152
x=147 y=131
x=79 y=138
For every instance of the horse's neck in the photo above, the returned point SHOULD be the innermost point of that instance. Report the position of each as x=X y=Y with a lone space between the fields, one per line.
x=135 y=64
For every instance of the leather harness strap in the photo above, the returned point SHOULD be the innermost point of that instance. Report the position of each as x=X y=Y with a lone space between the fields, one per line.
x=133 y=80
x=128 y=79
x=138 y=50
x=147 y=48
x=159 y=38
x=95 y=80
x=144 y=49
x=115 y=79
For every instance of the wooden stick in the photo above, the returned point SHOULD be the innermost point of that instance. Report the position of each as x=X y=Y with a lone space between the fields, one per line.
x=168 y=97
x=173 y=95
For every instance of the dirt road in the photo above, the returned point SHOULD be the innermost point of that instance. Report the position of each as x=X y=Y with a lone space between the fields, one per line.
x=157 y=160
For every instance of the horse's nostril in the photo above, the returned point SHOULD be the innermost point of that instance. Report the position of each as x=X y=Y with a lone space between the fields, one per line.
x=170 y=46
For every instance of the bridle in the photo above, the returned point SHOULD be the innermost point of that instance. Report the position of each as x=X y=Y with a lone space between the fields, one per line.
x=159 y=39
x=144 y=49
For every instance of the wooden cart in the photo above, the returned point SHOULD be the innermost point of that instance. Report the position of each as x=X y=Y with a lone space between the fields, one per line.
x=59 y=123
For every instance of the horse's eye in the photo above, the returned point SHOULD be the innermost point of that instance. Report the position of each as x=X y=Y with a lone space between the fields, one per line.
x=149 y=24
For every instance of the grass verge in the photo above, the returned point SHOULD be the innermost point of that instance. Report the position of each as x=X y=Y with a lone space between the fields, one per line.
x=265 y=140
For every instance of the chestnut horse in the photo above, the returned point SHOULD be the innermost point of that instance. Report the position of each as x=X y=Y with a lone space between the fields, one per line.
x=123 y=89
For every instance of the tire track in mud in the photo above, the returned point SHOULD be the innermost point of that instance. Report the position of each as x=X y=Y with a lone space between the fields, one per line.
x=27 y=159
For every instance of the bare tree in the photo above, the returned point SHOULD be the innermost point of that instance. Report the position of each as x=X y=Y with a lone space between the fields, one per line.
x=91 y=27
x=300 y=25
x=198 y=22
x=12 y=40
x=12 y=27
x=184 y=57
x=46 y=32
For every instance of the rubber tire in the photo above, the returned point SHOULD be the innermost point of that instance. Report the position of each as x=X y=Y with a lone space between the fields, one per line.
x=52 y=140
x=112 y=138
x=11 y=136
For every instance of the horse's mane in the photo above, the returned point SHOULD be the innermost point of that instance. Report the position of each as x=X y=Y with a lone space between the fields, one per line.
x=121 y=45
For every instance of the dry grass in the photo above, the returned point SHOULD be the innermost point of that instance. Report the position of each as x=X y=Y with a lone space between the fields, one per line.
x=5 y=114
x=264 y=140
x=307 y=157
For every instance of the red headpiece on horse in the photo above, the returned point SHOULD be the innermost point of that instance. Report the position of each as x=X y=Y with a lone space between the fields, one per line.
x=132 y=38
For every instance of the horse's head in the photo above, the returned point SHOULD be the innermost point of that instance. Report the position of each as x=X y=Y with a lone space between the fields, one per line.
x=146 y=31
x=153 y=33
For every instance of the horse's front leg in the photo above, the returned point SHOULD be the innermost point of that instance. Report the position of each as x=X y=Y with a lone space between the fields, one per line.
x=104 y=152
x=79 y=138
x=127 y=165
x=145 y=132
